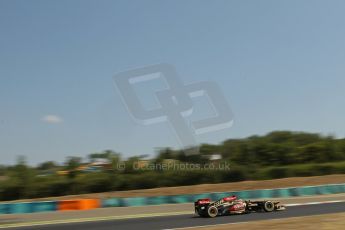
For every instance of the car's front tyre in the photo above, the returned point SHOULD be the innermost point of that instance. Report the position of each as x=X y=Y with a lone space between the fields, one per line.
x=268 y=206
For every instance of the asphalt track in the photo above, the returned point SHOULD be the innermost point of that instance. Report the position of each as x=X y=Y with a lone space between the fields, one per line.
x=181 y=221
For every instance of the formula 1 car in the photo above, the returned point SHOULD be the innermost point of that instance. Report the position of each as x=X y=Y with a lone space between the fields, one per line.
x=232 y=205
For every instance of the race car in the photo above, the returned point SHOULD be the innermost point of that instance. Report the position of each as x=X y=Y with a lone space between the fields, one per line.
x=232 y=205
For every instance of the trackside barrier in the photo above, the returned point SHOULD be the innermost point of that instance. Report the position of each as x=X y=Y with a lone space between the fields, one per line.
x=81 y=204
x=28 y=207
x=86 y=204
x=246 y=194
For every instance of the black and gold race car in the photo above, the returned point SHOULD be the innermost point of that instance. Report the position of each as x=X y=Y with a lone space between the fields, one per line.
x=232 y=205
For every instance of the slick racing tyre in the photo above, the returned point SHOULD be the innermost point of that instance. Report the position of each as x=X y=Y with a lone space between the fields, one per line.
x=201 y=213
x=268 y=206
x=212 y=211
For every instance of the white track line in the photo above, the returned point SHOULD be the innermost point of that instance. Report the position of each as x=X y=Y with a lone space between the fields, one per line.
x=313 y=203
x=206 y=226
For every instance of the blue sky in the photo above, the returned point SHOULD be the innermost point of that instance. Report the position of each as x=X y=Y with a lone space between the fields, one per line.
x=280 y=65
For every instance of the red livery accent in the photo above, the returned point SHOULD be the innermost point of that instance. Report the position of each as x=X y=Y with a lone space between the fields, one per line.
x=230 y=198
x=204 y=201
x=237 y=207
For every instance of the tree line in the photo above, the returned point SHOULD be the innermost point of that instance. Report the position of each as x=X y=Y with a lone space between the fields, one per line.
x=278 y=154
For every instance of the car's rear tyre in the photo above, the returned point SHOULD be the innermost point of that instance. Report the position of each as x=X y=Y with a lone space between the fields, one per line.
x=268 y=206
x=212 y=211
